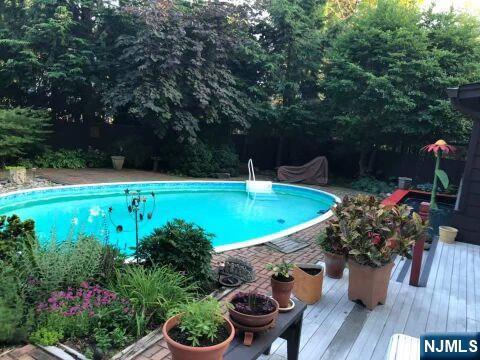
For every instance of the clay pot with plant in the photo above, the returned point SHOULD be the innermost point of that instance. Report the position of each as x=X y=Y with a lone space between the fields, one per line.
x=198 y=331
x=374 y=234
x=282 y=282
x=438 y=217
x=335 y=255
x=253 y=310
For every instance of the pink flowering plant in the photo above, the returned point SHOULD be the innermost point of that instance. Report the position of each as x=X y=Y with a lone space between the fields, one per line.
x=81 y=312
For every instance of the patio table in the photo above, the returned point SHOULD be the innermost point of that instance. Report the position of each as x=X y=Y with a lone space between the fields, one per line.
x=288 y=327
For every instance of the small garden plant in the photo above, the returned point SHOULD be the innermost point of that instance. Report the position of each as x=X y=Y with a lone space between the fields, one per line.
x=281 y=271
x=201 y=324
x=253 y=304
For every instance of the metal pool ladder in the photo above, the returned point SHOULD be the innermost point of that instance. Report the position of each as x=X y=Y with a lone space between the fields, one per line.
x=254 y=186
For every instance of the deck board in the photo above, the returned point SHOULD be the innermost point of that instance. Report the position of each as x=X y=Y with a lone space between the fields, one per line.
x=335 y=328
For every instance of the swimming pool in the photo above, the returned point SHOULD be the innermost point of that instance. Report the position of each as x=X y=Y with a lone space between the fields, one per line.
x=235 y=217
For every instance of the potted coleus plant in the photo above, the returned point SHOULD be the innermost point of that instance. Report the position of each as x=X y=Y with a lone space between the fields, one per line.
x=199 y=331
x=253 y=310
x=282 y=282
x=438 y=217
x=374 y=234
x=331 y=244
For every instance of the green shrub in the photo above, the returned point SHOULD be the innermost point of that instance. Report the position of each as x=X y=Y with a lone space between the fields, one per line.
x=371 y=185
x=184 y=246
x=226 y=160
x=46 y=337
x=191 y=159
x=13 y=234
x=201 y=320
x=153 y=292
x=14 y=317
x=201 y=159
x=61 y=159
x=69 y=159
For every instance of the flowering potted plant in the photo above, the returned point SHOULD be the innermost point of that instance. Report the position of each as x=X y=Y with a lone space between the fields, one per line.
x=282 y=282
x=199 y=331
x=331 y=244
x=437 y=216
x=374 y=234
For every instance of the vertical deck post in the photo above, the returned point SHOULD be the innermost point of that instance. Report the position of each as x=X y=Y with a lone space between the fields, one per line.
x=417 y=262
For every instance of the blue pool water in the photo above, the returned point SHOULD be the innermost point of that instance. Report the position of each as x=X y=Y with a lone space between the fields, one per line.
x=222 y=208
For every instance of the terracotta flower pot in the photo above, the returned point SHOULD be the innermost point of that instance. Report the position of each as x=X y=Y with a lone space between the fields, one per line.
x=184 y=352
x=308 y=287
x=254 y=320
x=282 y=290
x=368 y=284
x=334 y=265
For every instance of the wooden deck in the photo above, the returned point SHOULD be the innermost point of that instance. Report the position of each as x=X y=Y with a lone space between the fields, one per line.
x=336 y=328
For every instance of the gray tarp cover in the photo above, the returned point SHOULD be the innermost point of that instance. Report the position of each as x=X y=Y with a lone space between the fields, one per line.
x=313 y=172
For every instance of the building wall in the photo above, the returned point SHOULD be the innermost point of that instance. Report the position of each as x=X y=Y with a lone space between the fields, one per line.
x=467 y=218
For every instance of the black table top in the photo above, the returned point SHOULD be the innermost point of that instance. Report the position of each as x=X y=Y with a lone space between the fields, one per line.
x=263 y=341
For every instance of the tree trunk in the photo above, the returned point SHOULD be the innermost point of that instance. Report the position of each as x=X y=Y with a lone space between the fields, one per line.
x=371 y=161
x=361 y=163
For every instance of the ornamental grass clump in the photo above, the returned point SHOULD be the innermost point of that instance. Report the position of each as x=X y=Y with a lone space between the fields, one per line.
x=373 y=233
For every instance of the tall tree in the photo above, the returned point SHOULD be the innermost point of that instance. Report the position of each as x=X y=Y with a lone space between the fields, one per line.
x=173 y=74
x=291 y=38
x=386 y=75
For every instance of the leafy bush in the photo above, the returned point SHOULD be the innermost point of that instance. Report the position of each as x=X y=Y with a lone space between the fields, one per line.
x=13 y=320
x=226 y=160
x=184 y=246
x=46 y=337
x=13 y=234
x=372 y=232
x=152 y=292
x=68 y=159
x=201 y=159
x=201 y=320
x=371 y=185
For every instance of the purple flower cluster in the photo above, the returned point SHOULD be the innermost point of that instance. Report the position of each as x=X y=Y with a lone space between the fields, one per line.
x=85 y=299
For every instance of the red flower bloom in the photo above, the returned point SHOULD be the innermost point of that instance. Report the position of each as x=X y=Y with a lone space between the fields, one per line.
x=376 y=239
x=440 y=145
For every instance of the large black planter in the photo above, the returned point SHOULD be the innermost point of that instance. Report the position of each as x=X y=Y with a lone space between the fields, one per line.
x=437 y=218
